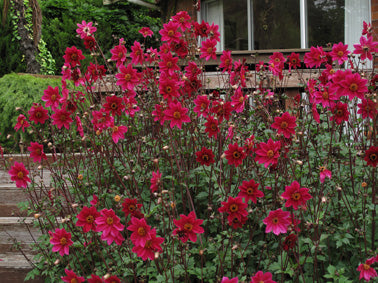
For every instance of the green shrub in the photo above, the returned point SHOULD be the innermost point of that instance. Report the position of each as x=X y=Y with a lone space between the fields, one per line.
x=19 y=90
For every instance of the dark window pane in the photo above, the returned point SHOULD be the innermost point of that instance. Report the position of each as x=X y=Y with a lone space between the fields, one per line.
x=276 y=24
x=235 y=24
x=325 y=21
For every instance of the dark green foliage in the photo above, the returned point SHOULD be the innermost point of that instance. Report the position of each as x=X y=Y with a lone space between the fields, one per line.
x=119 y=20
x=19 y=91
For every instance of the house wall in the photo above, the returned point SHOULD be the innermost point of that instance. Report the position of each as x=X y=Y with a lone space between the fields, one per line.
x=374 y=22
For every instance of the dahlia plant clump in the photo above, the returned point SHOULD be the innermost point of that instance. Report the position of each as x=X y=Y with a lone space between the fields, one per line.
x=156 y=177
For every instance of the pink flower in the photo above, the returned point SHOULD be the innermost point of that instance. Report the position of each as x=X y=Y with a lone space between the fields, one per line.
x=232 y=280
x=294 y=61
x=366 y=271
x=188 y=227
x=368 y=108
x=226 y=61
x=113 y=279
x=170 y=32
x=249 y=191
x=119 y=54
x=22 y=123
x=137 y=55
x=61 y=241
x=367 y=29
x=169 y=86
x=85 y=29
x=155 y=181
x=235 y=154
x=145 y=31
x=268 y=153
x=110 y=226
x=176 y=114
x=141 y=231
x=79 y=126
x=150 y=247
x=87 y=217
x=325 y=97
x=72 y=277
x=339 y=52
x=238 y=100
x=324 y=173
x=36 y=152
x=183 y=19
x=94 y=200
x=212 y=128
x=118 y=132
x=205 y=156
x=208 y=49
x=19 y=174
x=114 y=105
x=73 y=56
x=261 y=277
x=295 y=195
x=62 y=118
x=366 y=47
x=236 y=210
x=130 y=206
x=285 y=125
x=202 y=105
x=38 y=114
x=95 y=279
x=353 y=86
x=277 y=221
x=168 y=63
x=341 y=113
x=51 y=97
x=128 y=77
x=315 y=57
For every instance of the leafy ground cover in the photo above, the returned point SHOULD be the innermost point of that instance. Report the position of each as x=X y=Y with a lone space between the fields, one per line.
x=158 y=179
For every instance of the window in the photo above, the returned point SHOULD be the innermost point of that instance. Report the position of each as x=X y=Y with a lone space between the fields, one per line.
x=278 y=24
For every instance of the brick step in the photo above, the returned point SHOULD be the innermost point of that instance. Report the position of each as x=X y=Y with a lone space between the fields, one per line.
x=14 y=267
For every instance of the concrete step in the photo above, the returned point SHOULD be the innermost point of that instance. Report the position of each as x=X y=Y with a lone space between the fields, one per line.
x=14 y=233
x=14 y=267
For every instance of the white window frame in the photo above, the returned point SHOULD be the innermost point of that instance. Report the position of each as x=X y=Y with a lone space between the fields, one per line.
x=350 y=37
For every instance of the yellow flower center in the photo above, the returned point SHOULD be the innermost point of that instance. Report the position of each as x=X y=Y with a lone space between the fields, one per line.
x=353 y=87
x=141 y=231
x=284 y=125
x=250 y=191
x=296 y=196
x=177 y=115
x=63 y=241
x=270 y=153
x=325 y=95
x=90 y=219
x=209 y=50
x=366 y=266
x=236 y=154
x=234 y=207
x=205 y=157
x=109 y=220
x=275 y=220
x=171 y=33
x=127 y=77
x=20 y=175
x=340 y=53
x=188 y=227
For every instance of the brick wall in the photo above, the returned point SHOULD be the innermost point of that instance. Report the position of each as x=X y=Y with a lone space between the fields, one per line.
x=374 y=22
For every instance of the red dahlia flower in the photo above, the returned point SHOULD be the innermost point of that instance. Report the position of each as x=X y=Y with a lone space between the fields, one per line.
x=62 y=118
x=38 y=114
x=130 y=206
x=87 y=217
x=366 y=271
x=277 y=221
x=51 y=97
x=72 y=277
x=235 y=154
x=110 y=226
x=128 y=77
x=19 y=174
x=155 y=181
x=262 y=277
x=295 y=195
x=36 y=152
x=208 y=49
x=146 y=31
x=73 y=56
x=22 y=123
x=268 y=153
x=176 y=114
x=205 y=156
x=150 y=247
x=341 y=113
x=368 y=108
x=366 y=47
x=85 y=29
x=249 y=191
x=371 y=156
x=188 y=227
x=285 y=125
x=141 y=231
x=61 y=239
